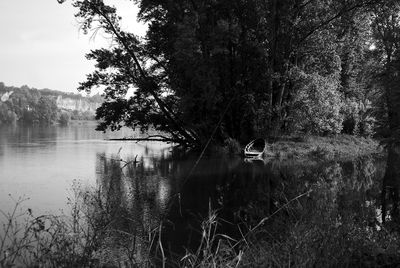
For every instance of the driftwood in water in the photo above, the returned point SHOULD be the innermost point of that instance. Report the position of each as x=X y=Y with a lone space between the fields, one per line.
x=149 y=138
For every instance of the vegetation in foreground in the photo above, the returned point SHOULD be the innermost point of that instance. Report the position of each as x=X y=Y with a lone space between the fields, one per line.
x=77 y=241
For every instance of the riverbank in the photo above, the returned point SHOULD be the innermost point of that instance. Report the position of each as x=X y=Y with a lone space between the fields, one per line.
x=340 y=147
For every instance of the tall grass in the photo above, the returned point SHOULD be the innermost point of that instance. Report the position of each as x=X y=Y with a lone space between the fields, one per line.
x=44 y=241
x=215 y=249
x=84 y=238
x=81 y=240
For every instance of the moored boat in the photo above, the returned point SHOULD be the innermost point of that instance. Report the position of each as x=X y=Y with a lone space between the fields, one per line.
x=255 y=148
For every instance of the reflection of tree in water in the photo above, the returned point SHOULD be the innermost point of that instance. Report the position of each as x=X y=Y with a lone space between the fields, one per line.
x=248 y=192
x=134 y=194
x=144 y=193
x=351 y=190
x=390 y=188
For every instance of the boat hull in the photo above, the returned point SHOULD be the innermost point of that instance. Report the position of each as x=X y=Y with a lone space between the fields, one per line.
x=255 y=148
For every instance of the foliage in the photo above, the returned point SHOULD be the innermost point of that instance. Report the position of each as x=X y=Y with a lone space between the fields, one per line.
x=317 y=105
x=64 y=118
x=30 y=105
x=228 y=65
x=385 y=26
x=46 y=110
x=359 y=120
x=7 y=116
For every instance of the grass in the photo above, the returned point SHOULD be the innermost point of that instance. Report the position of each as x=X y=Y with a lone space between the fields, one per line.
x=215 y=249
x=290 y=237
x=339 y=147
x=87 y=237
x=281 y=239
x=307 y=245
x=83 y=240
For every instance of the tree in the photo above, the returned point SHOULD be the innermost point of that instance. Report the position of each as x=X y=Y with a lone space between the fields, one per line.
x=386 y=26
x=317 y=104
x=64 y=119
x=224 y=65
x=46 y=110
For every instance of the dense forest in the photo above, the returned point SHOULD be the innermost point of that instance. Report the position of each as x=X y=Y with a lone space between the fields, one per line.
x=239 y=69
x=33 y=106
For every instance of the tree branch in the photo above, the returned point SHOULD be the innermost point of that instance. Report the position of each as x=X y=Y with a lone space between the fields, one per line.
x=338 y=15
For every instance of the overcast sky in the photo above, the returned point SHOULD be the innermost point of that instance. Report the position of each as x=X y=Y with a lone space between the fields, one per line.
x=41 y=46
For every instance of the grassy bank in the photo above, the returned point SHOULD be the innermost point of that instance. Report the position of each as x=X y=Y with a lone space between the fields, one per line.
x=338 y=147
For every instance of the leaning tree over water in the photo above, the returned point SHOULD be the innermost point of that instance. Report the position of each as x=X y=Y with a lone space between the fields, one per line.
x=228 y=69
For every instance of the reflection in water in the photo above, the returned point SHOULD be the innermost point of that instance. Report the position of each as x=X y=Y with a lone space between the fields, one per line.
x=135 y=197
x=41 y=162
x=390 y=188
x=136 y=194
x=156 y=190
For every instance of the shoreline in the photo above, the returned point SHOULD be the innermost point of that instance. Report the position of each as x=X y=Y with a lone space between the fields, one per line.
x=320 y=149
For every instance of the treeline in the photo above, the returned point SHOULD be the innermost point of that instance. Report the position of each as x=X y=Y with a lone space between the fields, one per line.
x=33 y=106
x=248 y=68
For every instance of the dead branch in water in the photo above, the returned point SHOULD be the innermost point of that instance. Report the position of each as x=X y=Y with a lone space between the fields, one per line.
x=149 y=138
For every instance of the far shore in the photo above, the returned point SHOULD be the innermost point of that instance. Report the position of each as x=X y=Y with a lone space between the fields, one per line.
x=82 y=122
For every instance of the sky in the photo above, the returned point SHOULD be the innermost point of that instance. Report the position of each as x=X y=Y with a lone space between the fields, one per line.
x=41 y=45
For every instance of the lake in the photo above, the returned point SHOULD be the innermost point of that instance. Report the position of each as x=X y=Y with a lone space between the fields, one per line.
x=150 y=183
x=41 y=162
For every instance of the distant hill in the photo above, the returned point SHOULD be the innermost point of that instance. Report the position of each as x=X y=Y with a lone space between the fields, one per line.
x=30 y=104
x=64 y=100
x=49 y=92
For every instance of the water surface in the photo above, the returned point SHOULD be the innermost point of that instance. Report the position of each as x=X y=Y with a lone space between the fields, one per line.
x=41 y=162
x=163 y=186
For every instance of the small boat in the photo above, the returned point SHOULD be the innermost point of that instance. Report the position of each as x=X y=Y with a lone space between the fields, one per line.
x=255 y=148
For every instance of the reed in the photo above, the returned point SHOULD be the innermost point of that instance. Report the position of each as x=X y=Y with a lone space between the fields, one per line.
x=88 y=237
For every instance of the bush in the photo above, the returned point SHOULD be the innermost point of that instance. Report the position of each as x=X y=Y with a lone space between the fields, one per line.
x=317 y=104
